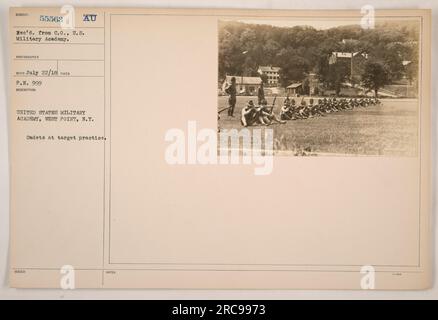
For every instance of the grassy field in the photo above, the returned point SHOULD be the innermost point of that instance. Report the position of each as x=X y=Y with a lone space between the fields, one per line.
x=389 y=129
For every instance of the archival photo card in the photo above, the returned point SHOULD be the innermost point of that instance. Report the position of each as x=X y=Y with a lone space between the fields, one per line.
x=220 y=149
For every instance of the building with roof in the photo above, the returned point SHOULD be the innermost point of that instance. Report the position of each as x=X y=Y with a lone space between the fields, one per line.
x=244 y=85
x=294 y=89
x=272 y=74
x=348 y=55
x=355 y=60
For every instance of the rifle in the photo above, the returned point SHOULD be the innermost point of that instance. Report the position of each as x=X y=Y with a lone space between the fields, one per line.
x=273 y=104
x=222 y=110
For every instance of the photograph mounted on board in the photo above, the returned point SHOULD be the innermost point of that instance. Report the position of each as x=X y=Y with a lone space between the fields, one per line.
x=323 y=86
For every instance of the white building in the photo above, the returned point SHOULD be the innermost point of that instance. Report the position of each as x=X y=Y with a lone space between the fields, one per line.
x=357 y=56
x=272 y=74
x=244 y=85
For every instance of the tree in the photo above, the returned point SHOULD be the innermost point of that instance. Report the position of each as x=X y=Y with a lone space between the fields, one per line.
x=333 y=75
x=302 y=49
x=411 y=69
x=264 y=78
x=394 y=55
x=306 y=86
x=293 y=66
x=375 y=76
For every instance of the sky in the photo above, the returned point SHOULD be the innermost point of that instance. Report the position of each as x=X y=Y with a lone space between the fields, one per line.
x=317 y=24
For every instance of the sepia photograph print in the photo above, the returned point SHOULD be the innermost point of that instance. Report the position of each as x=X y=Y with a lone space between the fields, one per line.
x=324 y=87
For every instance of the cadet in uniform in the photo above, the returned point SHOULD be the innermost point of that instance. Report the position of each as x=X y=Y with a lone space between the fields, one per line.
x=231 y=91
x=266 y=117
x=248 y=114
x=260 y=94
x=286 y=111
